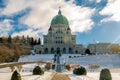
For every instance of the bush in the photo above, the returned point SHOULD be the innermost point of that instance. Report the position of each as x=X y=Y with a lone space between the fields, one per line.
x=80 y=71
x=11 y=52
x=48 y=66
x=93 y=66
x=12 y=67
x=16 y=76
x=68 y=67
x=70 y=56
x=105 y=75
x=19 y=67
x=37 y=71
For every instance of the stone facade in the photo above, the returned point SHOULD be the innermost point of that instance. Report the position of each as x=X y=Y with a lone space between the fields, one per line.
x=59 y=37
x=101 y=48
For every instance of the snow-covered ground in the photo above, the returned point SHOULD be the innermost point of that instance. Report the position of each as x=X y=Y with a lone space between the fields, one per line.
x=28 y=75
x=110 y=61
x=25 y=76
x=105 y=61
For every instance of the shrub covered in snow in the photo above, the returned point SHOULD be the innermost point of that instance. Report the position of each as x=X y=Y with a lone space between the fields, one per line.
x=80 y=71
x=48 y=66
x=16 y=76
x=105 y=75
x=68 y=67
x=37 y=71
x=12 y=67
x=93 y=66
x=19 y=67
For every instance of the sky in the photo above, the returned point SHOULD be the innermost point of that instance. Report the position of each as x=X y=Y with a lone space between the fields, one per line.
x=93 y=21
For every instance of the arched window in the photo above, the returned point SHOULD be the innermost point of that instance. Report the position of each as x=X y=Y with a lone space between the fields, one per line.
x=58 y=49
x=64 y=50
x=39 y=52
x=52 y=50
x=70 y=50
x=46 y=50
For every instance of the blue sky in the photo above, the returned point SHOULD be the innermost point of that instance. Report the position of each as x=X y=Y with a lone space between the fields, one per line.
x=91 y=20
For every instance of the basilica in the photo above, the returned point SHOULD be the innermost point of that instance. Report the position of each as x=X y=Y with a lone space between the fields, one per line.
x=59 y=36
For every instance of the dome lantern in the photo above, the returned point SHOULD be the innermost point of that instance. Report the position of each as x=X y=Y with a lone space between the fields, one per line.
x=68 y=29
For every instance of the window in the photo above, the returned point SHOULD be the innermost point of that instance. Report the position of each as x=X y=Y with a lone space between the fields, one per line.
x=46 y=50
x=70 y=50
x=64 y=50
x=52 y=50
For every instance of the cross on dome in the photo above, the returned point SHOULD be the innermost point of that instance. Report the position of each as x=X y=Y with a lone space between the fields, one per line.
x=59 y=12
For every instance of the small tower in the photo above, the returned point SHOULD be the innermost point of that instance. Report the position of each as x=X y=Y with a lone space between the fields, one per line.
x=68 y=30
x=50 y=30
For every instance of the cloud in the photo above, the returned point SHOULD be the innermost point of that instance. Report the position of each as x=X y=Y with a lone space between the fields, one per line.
x=30 y=32
x=42 y=11
x=79 y=18
x=117 y=39
x=42 y=14
x=97 y=1
x=112 y=11
x=13 y=7
x=5 y=27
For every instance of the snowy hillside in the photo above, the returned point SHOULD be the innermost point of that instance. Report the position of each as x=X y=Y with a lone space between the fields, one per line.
x=110 y=61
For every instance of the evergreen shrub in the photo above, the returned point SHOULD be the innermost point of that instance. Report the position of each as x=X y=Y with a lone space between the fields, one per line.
x=37 y=71
x=16 y=76
x=70 y=56
x=105 y=75
x=80 y=71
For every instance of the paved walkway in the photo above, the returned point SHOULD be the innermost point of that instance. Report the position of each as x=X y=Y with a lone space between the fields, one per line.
x=59 y=76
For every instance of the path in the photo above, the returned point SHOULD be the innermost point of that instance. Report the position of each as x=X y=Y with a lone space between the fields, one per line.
x=60 y=76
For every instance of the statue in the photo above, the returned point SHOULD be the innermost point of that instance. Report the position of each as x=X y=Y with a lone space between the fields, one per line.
x=57 y=58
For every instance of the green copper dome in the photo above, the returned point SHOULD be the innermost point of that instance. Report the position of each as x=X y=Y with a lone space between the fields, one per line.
x=59 y=19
